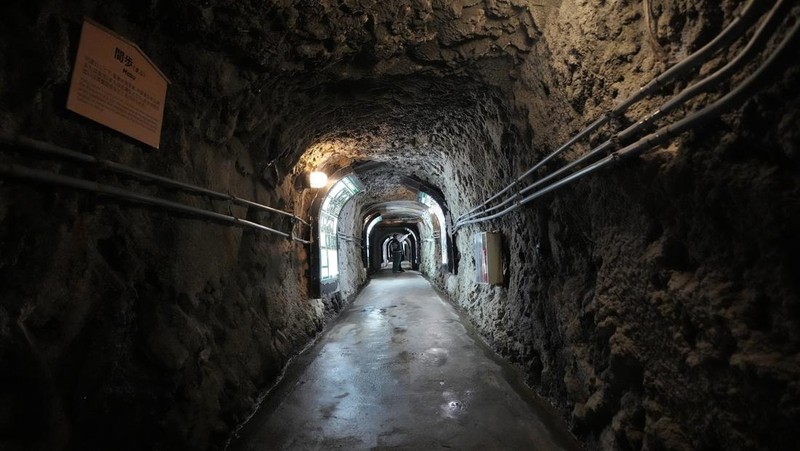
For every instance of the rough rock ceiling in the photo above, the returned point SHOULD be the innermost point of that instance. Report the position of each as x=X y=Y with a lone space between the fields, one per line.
x=404 y=210
x=408 y=83
x=363 y=38
x=412 y=126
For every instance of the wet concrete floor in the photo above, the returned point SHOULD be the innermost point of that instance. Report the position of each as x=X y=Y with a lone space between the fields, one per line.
x=402 y=370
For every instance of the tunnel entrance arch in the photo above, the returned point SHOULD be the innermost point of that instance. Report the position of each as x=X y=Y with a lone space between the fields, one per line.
x=411 y=248
x=408 y=241
x=371 y=223
x=380 y=243
x=432 y=198
x=424 y=219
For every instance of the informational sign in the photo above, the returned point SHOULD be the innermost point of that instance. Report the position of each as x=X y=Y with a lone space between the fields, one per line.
x=115 y=84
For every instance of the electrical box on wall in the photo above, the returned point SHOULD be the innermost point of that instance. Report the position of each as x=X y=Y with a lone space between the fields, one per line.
x=488 y=258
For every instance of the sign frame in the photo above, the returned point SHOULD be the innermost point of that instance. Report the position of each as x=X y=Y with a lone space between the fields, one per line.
x=116 y=84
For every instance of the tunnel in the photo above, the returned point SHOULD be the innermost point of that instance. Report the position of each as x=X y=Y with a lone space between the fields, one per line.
x=635 y=163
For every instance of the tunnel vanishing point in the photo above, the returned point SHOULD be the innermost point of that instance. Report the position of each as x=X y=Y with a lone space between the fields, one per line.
x=637 y=158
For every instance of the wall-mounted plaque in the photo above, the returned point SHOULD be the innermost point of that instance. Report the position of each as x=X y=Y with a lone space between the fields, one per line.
x=115 y=83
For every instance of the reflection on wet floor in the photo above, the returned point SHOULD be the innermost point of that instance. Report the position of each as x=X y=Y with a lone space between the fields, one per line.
x=401 y=370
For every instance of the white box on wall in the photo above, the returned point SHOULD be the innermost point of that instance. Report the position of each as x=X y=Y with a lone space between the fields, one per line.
x=488 y=258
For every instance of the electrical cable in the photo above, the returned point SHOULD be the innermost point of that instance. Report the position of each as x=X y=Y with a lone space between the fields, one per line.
x=38 y=175
x=665 y=133
x=80 y=157
x=672 y=104
x=738 y=24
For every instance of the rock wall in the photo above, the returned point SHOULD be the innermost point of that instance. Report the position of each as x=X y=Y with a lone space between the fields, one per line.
x=126 y=327
x=656 y=302
x=430 y=250
x=352 y=273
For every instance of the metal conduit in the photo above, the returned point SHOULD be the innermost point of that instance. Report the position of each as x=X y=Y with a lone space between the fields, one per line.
x=664 y=133
x=737 y=25
x=715 y=109
x=17 y=171
x=54 y=150
x=688 y=93
x=759 y=37
x=594 y=152
x=349 y=239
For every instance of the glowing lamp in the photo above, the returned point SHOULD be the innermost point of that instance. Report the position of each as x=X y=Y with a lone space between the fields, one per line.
x=317 y=179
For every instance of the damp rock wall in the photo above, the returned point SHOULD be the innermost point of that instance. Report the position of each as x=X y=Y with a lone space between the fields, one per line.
x=124 y=326
x=352 y=271
x=430 y=250
x=655 y=302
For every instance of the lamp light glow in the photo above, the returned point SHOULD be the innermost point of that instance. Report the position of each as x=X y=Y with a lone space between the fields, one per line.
x=317 y=179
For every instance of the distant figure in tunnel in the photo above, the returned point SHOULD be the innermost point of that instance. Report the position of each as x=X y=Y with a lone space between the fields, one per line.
x=396 y=249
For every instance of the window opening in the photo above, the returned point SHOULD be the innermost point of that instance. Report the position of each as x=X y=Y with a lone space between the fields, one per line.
x=434 y=209
x=369 y=233
x=387 y=256
x=337 y=197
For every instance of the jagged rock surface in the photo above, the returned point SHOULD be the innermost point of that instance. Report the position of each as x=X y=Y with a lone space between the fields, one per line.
x=655 y=304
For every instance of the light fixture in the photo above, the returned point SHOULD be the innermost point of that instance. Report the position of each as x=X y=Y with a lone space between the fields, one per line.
x=317 y=179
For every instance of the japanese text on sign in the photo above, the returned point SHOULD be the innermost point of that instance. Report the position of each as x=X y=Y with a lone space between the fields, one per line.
x=115 y=84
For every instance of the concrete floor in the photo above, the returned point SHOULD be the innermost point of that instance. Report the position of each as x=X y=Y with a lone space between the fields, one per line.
x=402 y=370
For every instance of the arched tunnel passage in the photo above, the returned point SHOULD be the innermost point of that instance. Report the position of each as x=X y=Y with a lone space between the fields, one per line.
x=639 y=160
